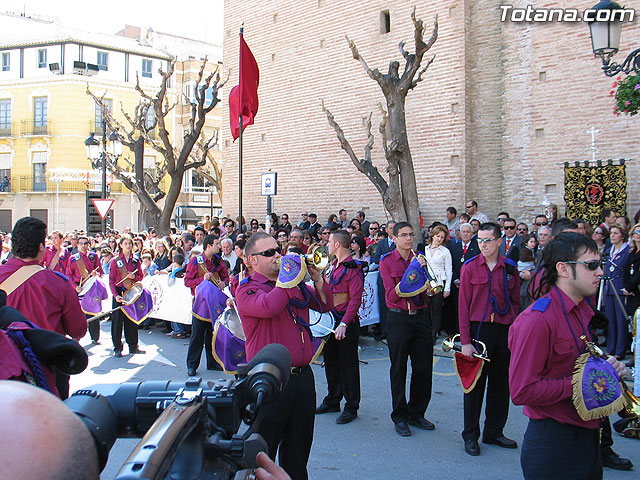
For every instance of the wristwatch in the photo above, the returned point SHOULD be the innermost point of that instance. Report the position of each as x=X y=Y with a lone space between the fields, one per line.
x=342 y=324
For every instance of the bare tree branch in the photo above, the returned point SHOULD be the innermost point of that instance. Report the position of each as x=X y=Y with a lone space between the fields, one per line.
x=365 y=166
x=419 y=77
x=374 y=74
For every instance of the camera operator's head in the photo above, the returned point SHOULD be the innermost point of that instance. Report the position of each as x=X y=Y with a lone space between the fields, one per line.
x=27 y=238
x=42 y=438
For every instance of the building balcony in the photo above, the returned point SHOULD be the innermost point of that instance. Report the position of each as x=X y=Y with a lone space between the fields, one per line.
x=36 y=127
x=33 y=184
x=98 y=129
x=6 y=129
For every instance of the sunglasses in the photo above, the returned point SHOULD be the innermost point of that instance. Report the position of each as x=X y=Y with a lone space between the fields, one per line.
x=373 y=228
x=635 y=232
x=282 y=235
x=508 y=228
x=267 y=253
x=485 y=240
x=501 y=219
x=542 y=224
x=325 y=233
x=592 y=265
x=83 y=243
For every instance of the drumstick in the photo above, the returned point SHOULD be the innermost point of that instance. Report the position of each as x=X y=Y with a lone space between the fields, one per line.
x=125 y=278
x=326 y=328
x=82 y=280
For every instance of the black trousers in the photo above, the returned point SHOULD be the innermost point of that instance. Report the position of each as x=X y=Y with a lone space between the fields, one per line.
x=450 y=312
x=94 y=328
x=494 y=336
x=287 y=424
x=342 y=369
x=384 y=310
x=435 y=308
x=118 y=320
x=201 y=336
x=557 y=451
x=410 y=337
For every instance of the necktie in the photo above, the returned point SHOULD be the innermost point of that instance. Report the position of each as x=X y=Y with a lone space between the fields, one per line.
x=508 y=244
x=464 y=249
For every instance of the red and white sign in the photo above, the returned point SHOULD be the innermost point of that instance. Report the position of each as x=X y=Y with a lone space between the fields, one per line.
x=103 y=205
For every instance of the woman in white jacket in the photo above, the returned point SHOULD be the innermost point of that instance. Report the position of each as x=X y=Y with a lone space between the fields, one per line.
x=439 y=258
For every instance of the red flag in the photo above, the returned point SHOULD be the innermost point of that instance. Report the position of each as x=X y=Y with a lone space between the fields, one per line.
x=243 y=99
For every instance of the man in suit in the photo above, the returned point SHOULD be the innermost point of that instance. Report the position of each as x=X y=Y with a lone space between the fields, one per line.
x=385 y=245
x=511 y=243
x=460 y=252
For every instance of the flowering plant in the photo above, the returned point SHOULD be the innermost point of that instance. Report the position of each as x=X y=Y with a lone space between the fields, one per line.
x=627 y=95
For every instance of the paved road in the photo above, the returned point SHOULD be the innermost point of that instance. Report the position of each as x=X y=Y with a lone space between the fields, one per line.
x=367 y=448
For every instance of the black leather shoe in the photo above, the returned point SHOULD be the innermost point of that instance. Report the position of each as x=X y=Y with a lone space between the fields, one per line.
x=615 y=461
x=117 y=353
x=422 y=423
x=136 y=350
x=191 y=372
x=501 y=441
x=326 y=409
x=472 y=447
x=346 y=417
x=403 y=429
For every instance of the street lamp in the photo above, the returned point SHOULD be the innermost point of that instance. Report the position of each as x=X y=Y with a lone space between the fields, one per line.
x=94 y=153
x=605 y=38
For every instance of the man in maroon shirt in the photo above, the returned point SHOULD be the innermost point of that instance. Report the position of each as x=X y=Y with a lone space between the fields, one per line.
x=273 y=314
x=55 y=256
x=409 y=335
x=205 y=267
x=341 y=364
x=545 y=343
x=80 y=268
x=488 y=303
x=45 y=297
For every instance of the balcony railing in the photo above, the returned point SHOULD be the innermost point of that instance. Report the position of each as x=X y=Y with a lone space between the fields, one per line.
x=6 y=130
x=36 y=127
x=98 y=129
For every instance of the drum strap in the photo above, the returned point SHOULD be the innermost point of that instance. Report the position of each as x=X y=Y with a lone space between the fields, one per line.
x=127 y=284
x=202 y=270
x=19 y=277
x=82 y=268
x=55 y=260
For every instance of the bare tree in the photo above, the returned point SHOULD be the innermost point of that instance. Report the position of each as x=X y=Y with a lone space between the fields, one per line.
x=399 y=193
x=191 y=153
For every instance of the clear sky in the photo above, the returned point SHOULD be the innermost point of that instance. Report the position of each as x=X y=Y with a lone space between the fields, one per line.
x=197 y=19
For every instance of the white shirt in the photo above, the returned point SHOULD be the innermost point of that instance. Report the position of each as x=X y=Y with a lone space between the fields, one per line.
x=440 y=261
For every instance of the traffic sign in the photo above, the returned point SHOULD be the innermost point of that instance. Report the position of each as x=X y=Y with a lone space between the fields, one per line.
x=103 y=205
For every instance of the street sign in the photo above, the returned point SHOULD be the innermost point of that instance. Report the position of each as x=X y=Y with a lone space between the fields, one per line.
x=103 y=205
x=269 y=183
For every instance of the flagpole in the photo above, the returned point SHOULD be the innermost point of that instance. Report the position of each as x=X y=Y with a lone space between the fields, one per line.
x=240 y=139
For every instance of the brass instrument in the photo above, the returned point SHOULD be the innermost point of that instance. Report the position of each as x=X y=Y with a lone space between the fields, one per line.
x=631 y=402
x=318 y=256
x=433 y=287
x=449 y=343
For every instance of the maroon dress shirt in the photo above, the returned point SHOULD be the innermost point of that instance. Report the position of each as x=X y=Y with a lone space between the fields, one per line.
x=347 y=280
x=392 y=268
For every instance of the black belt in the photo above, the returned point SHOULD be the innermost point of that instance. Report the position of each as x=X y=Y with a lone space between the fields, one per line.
x=408 y=312
x=298 y=370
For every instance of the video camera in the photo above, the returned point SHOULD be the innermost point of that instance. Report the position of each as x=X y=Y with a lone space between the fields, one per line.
x=189 y=430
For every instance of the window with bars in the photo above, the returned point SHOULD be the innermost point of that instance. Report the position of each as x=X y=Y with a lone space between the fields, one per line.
x=5 y=117
x=40 y=109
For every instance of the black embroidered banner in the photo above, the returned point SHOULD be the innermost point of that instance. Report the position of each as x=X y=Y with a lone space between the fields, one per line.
x=588 y=190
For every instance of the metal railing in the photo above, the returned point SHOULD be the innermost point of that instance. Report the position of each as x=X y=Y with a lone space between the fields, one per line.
x=6 y=130
x=36 y=127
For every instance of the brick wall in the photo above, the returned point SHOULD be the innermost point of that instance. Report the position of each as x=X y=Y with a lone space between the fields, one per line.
x=498 y=111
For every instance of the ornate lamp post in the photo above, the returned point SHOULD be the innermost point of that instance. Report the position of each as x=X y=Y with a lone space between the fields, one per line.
x=605 y=38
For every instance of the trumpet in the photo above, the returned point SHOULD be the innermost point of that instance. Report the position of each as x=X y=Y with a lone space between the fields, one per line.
x=318 y=256
x=433 y=287
x=449 y=343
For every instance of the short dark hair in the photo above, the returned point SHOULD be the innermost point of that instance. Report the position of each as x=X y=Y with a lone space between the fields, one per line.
x=240 y=243
x=605 y=213
x=208 y=240
x=509 y=219
x=26 y=237
x=178 y=258
x=313 y=215
x=452 y=210
x=341 y=210
x=474 y=203
x=566 y=247
x=360 y=213
x=189 y=238
x=249 y=248
x=199 y=228
x=506 y=214
x=561 y=225
x=343 y=237
x=540 y=215
x=491 y=227
x=398 y=226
